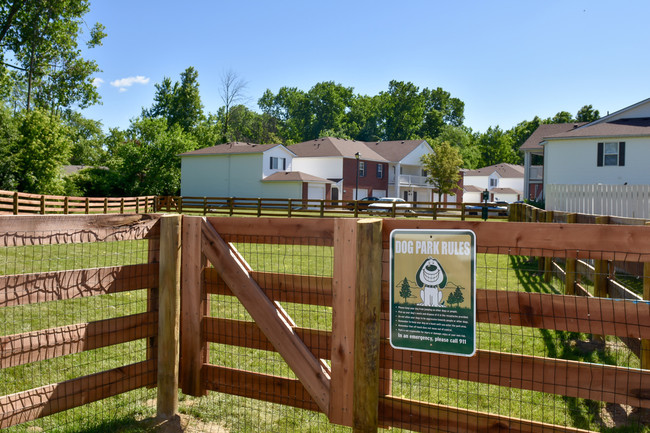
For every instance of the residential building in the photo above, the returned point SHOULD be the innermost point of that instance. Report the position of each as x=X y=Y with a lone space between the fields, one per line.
x=505 y=182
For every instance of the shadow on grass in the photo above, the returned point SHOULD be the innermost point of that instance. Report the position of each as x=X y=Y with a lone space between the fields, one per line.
x=572 y=346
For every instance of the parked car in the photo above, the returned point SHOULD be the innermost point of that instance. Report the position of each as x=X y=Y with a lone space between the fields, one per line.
x=385 y=204
x=363 y=203
x=499 y=207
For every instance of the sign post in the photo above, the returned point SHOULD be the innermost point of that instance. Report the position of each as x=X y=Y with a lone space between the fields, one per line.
x=433 y=291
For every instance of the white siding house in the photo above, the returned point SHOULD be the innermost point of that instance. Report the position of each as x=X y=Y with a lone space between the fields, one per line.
x=505 y=182
x=611 y=151
x=245 y=170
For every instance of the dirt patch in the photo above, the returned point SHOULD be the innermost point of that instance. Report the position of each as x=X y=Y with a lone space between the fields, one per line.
x=618 y=415
x=181 y=424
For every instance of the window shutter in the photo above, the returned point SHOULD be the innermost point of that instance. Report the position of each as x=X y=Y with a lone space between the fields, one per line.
x=284 y=164
x=599 y=161
x=621 y=153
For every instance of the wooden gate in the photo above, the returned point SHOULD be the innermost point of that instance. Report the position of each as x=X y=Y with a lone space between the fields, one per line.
x=354 y=387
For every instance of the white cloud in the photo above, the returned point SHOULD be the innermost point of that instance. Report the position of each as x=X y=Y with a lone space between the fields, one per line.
x=123 y=83
x=97 y=82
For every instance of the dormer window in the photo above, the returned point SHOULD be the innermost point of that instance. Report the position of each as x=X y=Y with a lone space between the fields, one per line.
x=276 y=163
x=494 y=182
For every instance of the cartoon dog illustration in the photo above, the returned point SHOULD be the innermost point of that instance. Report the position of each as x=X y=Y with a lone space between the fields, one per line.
x=431 y=277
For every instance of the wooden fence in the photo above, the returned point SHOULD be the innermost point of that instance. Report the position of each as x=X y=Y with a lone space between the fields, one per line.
x=19 y=203
x=22 y=290
x=355 y=389
x=216 y=206
x=355 y=386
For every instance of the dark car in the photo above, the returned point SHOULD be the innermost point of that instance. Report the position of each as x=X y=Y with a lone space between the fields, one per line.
x=500 y=207
x=363 y=203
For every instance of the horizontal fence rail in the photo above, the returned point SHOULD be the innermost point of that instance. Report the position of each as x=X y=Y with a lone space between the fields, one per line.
x=46 y=296
x=282 y=207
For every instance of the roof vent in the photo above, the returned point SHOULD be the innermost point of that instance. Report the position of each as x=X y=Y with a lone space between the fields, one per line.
x=575 y=126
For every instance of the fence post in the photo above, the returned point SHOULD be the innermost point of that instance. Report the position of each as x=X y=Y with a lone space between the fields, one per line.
x=137 y=205
x=365 y=409
x=435 y=211
x=570 y=268
x=645 y=344
x=205 y=205
x=259 y=207
x=105 y=205
x=290 y=208
x=231 y=206
x=42 y=205
x=87 y=206
x=541 y=260
x=194 y=307
x=462 y=212
x=322 y=208
x=16 y=203
x=66 y=209
x=169 y=315
x=548 y=261
x=601 y=274
x=356 y=301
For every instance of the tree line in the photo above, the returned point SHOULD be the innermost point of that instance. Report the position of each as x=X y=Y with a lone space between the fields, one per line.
x=44 y=83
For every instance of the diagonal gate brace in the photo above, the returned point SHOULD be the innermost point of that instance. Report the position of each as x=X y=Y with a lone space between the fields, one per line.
x=314 y=375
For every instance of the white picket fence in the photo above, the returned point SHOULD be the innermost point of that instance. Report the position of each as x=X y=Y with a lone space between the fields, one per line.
x=631 y=201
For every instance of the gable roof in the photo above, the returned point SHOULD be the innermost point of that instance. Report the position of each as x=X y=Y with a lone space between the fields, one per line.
x=504 y=170
x=294 y=176
x=395 y=150
x=330 y=146
x=546 y=130
x=384 y=151
x=625 y=127
x=235 y=147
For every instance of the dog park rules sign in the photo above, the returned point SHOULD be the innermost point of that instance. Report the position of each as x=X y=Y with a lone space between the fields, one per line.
x=433 y=291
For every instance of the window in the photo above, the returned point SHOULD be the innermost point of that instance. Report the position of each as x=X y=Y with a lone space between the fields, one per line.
x=424 y=173
x=611 y=154
x=362 y=168
x=380 y=171
x=276 y=163
x=494 y=182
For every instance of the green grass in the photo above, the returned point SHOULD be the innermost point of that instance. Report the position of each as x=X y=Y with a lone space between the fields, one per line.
x=122 y=413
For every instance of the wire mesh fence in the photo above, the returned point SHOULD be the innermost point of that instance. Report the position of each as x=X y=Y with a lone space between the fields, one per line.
x=73 y=332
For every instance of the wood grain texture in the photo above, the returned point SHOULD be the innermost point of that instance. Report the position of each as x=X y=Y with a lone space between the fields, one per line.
x=55 y=286
x=277 y=230
x=426 y=417
x=19 y=349
x=59 y=229
x=39 y=402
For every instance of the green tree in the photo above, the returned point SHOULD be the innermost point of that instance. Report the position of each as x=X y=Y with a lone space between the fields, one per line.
x=562 y=117
x=443 y=167
x=496 y=147
x=328 y=105
x=405 y=290
x=143 y=160
x=178 y=103
x=87 y=139
x=587 y=114
x=40 y=151
x=462 y=139
x=9 y=136
x=402 y=111
x=39 y=41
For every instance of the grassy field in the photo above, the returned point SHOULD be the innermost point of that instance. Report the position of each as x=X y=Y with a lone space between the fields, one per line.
x=221 y=412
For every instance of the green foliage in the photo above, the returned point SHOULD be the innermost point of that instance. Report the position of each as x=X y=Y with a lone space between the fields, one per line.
x=40 y=151
x=8 y=143
x=87 y=139
x=443 y=167
x=178 y=103
x=496 y=146
x=587 y=114
x=143 y=160
x=41 y=39
x=462 y=139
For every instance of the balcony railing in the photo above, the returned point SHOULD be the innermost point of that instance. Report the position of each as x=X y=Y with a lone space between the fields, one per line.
x=536 y=172
x=407 y=179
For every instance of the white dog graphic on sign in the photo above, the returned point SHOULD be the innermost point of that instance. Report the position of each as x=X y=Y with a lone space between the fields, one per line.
x=431 y=277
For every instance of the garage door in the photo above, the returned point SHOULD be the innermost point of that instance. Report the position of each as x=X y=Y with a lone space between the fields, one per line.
x=316 y=192
x=363 y=192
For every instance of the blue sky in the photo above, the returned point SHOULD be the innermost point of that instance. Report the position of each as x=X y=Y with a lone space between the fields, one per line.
x=507 y=60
